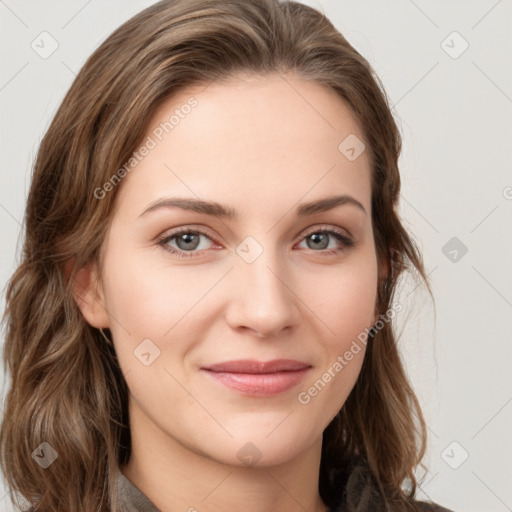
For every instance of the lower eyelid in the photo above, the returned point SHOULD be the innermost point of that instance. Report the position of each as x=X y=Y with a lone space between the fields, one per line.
x=164 y=241
x=345 y=241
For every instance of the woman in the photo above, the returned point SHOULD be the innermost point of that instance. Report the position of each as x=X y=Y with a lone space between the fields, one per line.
x=175 y=337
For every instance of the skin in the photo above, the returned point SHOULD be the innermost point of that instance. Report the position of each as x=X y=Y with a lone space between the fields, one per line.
x=261 y=145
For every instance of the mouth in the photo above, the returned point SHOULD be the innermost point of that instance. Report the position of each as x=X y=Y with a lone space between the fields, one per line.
x=257 y=367
x=257 y=378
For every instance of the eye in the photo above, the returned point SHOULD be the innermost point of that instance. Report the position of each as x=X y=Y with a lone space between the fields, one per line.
x=320 y=239
x=188 y=241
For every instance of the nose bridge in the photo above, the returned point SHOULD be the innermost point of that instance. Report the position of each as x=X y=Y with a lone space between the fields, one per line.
x=263 y=300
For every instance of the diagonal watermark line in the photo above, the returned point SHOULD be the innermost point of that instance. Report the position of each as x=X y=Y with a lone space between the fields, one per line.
x=106 y=311
x=198 y=301
x=285 y=490
x=217 y=486
x=199 y=403
x=430 y=481
x=10 y=214
x=307 y=101
x=492 y=81
x=484 y=218
x=487 y=281
x=72 y=72
x=76 y=14
x=430 y=430
x=491 y=490
x=418 y=212
x=301 y=300
x=208 y=85
x=301 y=198
x=425 y=14
x=167 y=167
x=280 y=423
x=424 y=492
x=417 y=83
x=492 y=418
x=3 y=497
x=428 y=275
x=416 y=415
x=14 y=76
x=2 y=2
x=485 y=15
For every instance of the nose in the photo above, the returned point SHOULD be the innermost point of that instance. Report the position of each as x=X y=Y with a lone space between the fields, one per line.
x=263 y=300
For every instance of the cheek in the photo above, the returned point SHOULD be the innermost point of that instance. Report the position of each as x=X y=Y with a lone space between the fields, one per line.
x=347 y=309
x=353 y=304
x=345 y=298
x=147 y=299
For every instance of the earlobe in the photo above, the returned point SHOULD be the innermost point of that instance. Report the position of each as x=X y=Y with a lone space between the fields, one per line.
x=89 y=296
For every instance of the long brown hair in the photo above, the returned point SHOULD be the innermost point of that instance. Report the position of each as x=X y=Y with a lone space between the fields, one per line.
x=67 y=389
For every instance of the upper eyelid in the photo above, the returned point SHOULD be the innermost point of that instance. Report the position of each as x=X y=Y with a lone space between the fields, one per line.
x=327 y=227
x=206 y=231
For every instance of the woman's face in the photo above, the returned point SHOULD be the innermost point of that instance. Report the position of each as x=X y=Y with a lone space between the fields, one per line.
x=262 y=284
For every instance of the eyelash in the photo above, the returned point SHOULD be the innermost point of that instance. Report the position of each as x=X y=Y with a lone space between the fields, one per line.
x=162 y=241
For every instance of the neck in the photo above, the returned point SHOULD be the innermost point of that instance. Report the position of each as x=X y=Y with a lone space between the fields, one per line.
x=175 y=477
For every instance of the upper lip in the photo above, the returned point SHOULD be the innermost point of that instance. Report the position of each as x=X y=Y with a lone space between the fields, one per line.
x=253 y=366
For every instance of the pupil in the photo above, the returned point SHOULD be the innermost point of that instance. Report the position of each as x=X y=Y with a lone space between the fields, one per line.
x=317 y=239
x=187 y=239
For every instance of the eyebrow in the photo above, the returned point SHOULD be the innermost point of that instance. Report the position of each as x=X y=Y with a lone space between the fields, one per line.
x=222 y=211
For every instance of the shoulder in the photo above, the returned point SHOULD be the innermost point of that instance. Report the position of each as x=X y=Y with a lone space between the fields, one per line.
x=354 y=487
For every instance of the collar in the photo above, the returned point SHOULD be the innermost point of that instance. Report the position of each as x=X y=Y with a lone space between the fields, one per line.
x=132 y=499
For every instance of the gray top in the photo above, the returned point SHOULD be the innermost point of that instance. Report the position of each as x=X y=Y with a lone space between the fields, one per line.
x=132 y=499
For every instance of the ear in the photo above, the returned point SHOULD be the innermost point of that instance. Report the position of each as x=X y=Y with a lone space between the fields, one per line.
x=89 y=296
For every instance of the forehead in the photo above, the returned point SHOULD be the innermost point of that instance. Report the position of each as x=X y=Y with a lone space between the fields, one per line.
x=265 y=140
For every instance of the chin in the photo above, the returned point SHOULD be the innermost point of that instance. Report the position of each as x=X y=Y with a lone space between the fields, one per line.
x=255 y=447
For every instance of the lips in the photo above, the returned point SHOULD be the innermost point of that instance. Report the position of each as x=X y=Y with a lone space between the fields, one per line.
x=257 y=378
x=254 y=367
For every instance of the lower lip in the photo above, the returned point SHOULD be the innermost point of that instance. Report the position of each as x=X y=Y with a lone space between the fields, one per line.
x=259 y=384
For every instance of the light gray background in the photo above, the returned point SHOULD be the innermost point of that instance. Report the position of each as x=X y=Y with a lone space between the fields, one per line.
x=455 y=115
